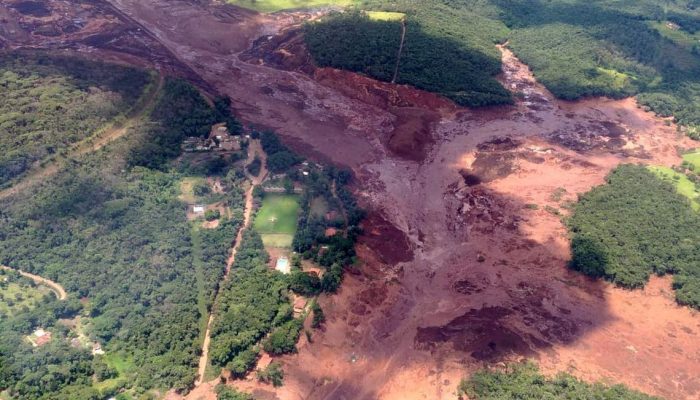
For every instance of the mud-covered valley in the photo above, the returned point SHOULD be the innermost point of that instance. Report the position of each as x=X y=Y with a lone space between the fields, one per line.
x=458 y=269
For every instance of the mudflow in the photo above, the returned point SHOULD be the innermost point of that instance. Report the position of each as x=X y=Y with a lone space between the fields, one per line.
x=458 y=270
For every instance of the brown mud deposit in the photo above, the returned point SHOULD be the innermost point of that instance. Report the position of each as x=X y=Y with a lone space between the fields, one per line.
x=459 y=270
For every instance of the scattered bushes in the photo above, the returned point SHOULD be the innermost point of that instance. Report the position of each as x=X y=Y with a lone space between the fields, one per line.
x=524 y=381
x=224 y=392
x=272 y=374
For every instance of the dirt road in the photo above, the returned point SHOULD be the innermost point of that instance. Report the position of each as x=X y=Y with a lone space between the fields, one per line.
x=57 y=289
x=254 y=150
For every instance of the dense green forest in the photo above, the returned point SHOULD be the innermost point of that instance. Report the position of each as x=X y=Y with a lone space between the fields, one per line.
x=430 y=59
x=110 y=228
x=611 y=48
x=636 y=225
x=51 y=102
x=252 y=302
x=614 y=48
x=525 y=382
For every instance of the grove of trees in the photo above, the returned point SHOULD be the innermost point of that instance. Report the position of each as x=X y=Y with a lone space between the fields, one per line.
x=524 y=382
x=636 y=225
x=50 y=102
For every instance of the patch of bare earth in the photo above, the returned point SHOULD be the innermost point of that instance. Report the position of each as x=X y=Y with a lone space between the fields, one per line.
x=459 y=270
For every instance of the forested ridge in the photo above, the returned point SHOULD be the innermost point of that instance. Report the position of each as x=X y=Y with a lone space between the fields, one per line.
x=111 y=229
x=642 y=48
x=50 y=102
x=430 y=60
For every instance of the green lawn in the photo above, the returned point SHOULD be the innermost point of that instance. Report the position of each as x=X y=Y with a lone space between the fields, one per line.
x=187 y=189
x=279 y=5
x=385 y=15
x=684 y=185
x=124 y=366
x=693 y=158
x=678 y=36
x=276 y=220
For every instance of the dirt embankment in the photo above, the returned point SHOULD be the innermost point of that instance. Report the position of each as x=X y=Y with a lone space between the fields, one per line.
x=464 y=264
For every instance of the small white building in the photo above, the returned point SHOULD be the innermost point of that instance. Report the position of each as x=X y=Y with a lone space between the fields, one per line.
x=97 y=349
x=282 y=265
x=198 y=209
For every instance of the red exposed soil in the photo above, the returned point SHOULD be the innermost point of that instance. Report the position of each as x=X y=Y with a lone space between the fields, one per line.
x=458 y=268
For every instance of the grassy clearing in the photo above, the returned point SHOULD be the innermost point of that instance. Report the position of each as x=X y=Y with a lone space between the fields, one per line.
x=279 y=5
x=678 y=36
x=385 y=16
x=276 y=221
x=278 y=214
x=280 y=240
x=187 y=186
x=124 y=366
x=683 y=185
x=694 y=159
x=15 y=295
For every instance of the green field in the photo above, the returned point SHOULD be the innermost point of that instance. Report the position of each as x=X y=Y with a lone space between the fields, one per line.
x=694 y=159
x=385 y=15
x=279 y=5
x=124 y=367
x=684 y=185
x=679 y=36
x=276 y=220
x=15 y=294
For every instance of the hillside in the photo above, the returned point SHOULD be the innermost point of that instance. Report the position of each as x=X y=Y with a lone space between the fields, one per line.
x=576 y=49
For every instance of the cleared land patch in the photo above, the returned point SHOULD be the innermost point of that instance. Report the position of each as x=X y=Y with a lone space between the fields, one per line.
x=693 y=159
x=18 y=293
x=276 y=220
x=683 y=184
x=279 y=5
x=385 y=15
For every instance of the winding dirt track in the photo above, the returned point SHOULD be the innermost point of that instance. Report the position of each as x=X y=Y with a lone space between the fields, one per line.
x=57 y=289
x=253 y=150
x=398 y=54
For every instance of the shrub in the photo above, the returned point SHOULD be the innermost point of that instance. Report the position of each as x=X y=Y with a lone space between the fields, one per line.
x=272 y=374
x=211 y=215
x=284 y=338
